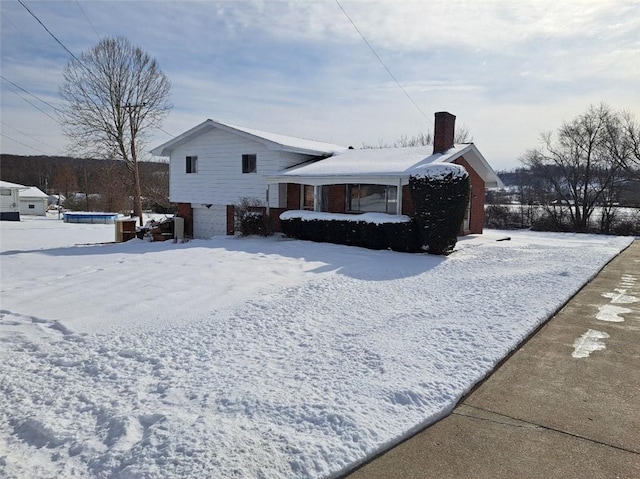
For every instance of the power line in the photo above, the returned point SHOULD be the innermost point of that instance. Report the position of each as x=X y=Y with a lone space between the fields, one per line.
x=70 y=53
x=88 y=21
x=23 y=144
x=27 y=135
x=30 y=94
x=382 y=63
x=35 y=106
x=163 y=131
x=49 y=31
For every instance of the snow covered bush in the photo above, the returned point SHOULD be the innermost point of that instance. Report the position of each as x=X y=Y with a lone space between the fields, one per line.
x=369 y=230
x=440 y=195
x=250 y=217
x=501 y=217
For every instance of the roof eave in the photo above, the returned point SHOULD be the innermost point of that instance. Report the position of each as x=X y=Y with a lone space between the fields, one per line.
x=486 y=172
x=319 y=180
x=166 y=148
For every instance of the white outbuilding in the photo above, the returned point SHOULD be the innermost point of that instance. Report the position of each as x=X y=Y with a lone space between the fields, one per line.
x=10 y=201
x=33 y=201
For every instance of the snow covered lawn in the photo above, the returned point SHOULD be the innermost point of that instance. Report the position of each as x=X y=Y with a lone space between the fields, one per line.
x=252 y=357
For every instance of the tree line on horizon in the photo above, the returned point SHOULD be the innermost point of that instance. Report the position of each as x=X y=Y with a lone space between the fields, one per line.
x=579 y=178
x=89 y=184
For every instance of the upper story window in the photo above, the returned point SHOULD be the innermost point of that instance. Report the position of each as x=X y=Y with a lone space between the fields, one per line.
x=191 y=164
x=5 y=192
x=249 y=163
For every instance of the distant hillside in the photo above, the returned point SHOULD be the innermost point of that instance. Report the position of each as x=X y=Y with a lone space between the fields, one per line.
x=527 y=182
x=108 y=180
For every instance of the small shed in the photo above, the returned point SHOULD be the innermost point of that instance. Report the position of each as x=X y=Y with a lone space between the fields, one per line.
x=10 y=201
x=33 y=201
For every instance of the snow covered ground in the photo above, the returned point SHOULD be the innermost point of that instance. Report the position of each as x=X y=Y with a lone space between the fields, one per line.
x=252 y=357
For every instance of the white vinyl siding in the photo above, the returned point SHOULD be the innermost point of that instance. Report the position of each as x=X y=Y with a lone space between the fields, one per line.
x=208 y=222
x=9 y=201
x=33 y=206
x=220 y=180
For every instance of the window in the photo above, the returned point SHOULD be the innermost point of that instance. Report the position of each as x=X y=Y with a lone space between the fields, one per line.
x=5 y=192
x=248 y=163
x=192 y=164
x=307 y=197
x=372 y=198
x=32 y=207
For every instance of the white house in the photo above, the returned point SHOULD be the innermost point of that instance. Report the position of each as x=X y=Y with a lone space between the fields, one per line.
x=214 y=165
x=57 y=200
x=33 y=201
x=10 y=201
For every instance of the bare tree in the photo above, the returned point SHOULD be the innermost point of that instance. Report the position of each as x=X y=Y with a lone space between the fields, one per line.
x=65 y=180
x=113 y=185
x=630 y=132
x=579 y=164
x=462 y=135
x=115 y=93
x=156 y=187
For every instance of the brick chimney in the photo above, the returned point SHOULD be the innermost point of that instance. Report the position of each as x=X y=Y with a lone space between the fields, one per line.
x=443 y=131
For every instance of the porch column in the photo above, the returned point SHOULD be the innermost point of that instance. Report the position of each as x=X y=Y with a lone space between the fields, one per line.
x=316 y=198
x=399 y=197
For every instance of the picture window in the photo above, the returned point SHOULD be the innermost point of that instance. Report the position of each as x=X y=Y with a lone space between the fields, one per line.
x=372 y=198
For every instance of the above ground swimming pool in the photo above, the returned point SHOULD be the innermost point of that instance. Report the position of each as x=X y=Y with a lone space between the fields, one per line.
x=89 y=217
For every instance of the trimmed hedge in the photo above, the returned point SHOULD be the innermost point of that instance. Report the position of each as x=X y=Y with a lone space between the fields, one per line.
x=254 y=223
x=398 y=236
x=440 y=201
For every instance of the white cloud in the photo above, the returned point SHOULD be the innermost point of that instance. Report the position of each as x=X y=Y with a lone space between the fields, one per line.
x=507 y=69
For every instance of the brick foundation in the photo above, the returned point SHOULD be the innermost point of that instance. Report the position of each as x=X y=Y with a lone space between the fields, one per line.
x=185 y=211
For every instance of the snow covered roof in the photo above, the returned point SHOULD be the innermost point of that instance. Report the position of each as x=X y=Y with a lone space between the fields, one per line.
x=7 y=184
x=273 y=141
x=33 y=192
x=384 y=164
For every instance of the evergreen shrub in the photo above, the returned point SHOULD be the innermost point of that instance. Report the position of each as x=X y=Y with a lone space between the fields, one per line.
x=440 y=197
x=250 y=217
x=398 y=236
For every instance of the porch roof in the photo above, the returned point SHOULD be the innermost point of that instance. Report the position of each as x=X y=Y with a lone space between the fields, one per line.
x=382 y=166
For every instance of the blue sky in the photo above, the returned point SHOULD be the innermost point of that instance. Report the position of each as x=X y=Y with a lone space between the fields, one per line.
x=508 y=70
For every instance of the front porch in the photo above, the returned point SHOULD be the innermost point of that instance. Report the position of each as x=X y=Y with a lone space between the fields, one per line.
x=347 y=197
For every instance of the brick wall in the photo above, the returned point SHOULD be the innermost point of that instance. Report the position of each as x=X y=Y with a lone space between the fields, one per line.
x=231 y=220
x=274 y=218
x=184 y=210
x=293 y=196
x=476 y=221
x=443 y=131
x=407 y=204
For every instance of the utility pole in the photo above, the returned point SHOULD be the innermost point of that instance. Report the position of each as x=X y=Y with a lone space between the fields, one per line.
x=137 y=190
